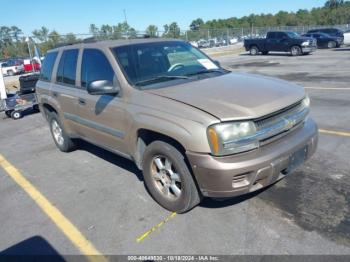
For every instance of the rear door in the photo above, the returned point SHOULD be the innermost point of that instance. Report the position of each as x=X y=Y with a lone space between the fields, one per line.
x=64 y=90
x=101 y=117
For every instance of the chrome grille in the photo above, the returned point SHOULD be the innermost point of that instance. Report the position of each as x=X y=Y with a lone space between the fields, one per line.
x=276 y=116
x=275 y=125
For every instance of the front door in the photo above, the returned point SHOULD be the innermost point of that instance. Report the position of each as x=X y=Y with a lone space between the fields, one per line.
x=101 y=117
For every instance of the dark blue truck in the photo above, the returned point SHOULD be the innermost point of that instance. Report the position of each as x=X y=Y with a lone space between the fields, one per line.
x=281 y=41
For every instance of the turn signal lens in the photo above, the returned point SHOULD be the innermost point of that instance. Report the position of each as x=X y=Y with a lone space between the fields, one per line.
x=214 y=141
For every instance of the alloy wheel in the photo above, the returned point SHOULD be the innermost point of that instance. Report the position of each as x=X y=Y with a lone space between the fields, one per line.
x=165 y=177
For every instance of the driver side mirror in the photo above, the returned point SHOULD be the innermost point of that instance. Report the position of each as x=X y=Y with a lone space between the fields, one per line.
x=102 y=87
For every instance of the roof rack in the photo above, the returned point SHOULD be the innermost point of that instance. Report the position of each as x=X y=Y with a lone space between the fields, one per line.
x=90 y=40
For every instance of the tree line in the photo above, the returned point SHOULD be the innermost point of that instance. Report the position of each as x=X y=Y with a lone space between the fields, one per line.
x=334 y=12
x=13 y=43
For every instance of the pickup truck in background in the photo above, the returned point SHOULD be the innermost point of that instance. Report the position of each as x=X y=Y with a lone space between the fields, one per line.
x=12 y=67
x=278 y=41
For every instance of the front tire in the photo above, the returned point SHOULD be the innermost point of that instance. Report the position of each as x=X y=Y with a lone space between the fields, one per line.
x=168 y=178
x=331 y=44
x=295 y=50
x=60 y=137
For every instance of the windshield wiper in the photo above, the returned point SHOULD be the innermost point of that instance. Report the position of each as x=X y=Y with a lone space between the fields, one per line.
x=159 y=79
x=220 y=70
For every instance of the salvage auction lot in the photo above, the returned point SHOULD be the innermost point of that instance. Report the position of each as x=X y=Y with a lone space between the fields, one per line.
x=103 y=196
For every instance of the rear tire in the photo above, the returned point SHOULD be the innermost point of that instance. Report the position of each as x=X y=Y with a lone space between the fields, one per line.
x=254 y=50
x=295 y=50
x=15 y=115
x=60 y=137
x=168 y=178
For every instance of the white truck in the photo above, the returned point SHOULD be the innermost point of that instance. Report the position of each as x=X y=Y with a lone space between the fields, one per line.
x=12 y=67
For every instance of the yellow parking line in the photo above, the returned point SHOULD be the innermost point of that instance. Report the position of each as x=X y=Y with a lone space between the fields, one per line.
x=68 y=229
x=332 y=132
x=146 y=234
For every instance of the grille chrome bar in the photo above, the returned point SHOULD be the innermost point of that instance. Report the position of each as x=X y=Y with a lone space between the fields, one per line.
x=274 y=126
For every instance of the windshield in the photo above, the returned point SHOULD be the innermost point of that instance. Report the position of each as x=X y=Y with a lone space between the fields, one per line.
x=323 y=34
x=149 y=63
x=292 y=34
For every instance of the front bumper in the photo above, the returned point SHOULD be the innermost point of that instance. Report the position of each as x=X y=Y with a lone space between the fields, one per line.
x=243 y=173
x=308 y=49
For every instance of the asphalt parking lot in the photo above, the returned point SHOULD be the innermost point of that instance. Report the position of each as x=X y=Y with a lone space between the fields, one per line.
x=103 y=197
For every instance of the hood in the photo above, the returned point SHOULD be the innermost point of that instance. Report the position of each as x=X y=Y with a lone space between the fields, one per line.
x=235 y=96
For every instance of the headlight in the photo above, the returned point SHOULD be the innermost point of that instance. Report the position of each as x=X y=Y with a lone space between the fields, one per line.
x=306 y=43
x=306 y=101
x=231 y=138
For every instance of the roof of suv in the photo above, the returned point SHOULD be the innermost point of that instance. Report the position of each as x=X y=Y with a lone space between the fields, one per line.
x=115 y=43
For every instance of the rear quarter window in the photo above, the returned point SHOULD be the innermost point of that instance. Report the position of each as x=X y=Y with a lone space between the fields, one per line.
x=46 y=70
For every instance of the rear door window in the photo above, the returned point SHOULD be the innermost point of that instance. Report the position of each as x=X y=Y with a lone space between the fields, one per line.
x=67 y=67
x=47 y=67
x=95 y=66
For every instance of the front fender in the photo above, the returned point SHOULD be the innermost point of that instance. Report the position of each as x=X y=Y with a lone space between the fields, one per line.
x=190 y=134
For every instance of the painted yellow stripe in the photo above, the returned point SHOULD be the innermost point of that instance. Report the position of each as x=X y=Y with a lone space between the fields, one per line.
x=332 y=132
x=143 y=236
x=69 y=230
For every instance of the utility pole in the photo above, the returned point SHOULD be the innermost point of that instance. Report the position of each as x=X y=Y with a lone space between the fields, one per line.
x=126 y=22
x=30 y=53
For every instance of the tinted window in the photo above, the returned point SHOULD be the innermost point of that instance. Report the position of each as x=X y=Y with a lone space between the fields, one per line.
x=280 y=35
x=95 y=66
x=46 y=70
x=68 y=66
x=271 y=35
x=292 y=34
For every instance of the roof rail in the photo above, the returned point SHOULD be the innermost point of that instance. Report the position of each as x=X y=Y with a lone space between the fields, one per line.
x=90 y=40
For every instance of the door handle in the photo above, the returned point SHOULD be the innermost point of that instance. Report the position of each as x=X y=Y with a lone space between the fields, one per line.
x=81 y=101
x=54 y=94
